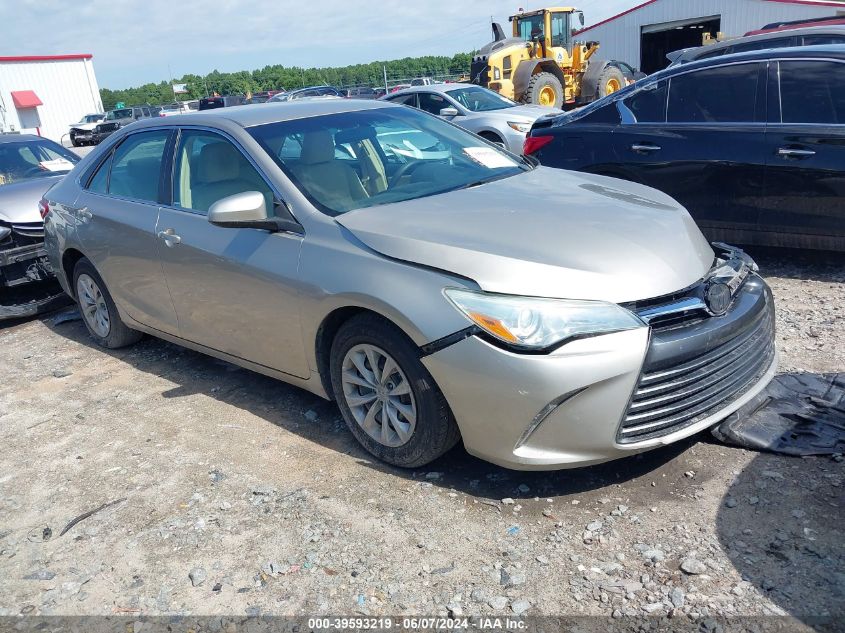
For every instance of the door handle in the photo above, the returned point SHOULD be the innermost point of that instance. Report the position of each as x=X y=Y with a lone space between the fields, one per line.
x=170 y=238
x=788 y=152
x=645 y=149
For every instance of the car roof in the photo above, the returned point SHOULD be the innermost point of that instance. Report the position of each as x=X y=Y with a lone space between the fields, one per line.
x=250 y=115
x=441 y=87
x=21 y=138
x=693 y=53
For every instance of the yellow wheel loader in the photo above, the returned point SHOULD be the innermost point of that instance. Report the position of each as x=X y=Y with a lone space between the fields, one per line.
x=543 y=64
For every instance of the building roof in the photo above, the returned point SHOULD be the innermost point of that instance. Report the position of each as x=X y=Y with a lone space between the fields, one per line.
x=817 y=3
x=45 y=58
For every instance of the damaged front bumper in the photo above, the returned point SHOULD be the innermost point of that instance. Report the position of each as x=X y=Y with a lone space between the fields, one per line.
x=28 y=285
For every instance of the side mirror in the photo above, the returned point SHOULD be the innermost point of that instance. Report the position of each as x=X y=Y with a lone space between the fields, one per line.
x=581 y=17
x=450 y=111
x=248 y=210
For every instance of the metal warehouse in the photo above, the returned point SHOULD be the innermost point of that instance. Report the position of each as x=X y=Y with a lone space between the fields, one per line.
x=44 y=94
x=645 y=33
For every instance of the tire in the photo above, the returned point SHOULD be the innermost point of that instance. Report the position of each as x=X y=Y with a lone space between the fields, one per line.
x=540 y=88
x=74 y=142
x=434 y=430
x=116 y=334
x=611 y=80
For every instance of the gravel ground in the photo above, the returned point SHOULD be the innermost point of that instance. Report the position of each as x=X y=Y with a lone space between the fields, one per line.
x=231 y=493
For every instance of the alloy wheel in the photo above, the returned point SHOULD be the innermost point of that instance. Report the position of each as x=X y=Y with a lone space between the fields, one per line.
x=93 y=306
x=378 y=395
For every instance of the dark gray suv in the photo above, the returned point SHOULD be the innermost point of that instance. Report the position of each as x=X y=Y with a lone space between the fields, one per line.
x=116 y=119
x=809 y=36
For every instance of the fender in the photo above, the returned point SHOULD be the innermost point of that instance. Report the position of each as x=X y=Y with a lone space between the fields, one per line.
x=526 y=70
x=590 y=81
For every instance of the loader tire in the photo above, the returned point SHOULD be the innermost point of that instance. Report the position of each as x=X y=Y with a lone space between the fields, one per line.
x=611 y=80
x=544 y=89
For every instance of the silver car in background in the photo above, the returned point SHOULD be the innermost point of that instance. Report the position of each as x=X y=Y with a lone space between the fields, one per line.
x=476 y=109
x=438 y=288
x=29 y=166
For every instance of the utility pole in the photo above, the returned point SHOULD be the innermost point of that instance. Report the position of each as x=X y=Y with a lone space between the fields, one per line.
x=384 y=70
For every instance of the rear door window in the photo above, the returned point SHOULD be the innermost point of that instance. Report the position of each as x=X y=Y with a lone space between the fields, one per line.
x=136 y=166
x=100 y=182
x=727 y=94
x=649 y=105
x=812 y=92
x=819 y=40
x=760 y=45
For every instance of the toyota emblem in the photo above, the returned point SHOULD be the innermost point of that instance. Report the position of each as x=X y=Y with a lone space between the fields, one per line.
x=718 y=298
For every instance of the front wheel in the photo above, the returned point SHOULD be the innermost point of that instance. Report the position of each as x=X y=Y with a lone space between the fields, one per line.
x=98 y=310
x=544 y=89
x=388 y=399
x=73 y=141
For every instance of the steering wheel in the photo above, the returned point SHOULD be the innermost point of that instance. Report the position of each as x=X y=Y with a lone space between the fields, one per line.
x=403 y=171
x=33 y=171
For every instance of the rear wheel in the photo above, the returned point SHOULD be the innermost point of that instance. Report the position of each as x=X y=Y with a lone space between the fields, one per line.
x=611 y=80
x=388 y=399
x=544 y=89
x=98 y=310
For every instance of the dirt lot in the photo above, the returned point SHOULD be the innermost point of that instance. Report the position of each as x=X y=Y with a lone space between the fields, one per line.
x=235 y=494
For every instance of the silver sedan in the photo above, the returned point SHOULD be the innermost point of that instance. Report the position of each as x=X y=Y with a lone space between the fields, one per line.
x=476 y=109
x=438 y=288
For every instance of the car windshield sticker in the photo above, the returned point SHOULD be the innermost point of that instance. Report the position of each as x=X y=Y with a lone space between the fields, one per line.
x=489 y=157
x=59 y=164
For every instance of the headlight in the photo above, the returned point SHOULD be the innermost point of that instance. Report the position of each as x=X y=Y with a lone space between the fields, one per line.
x=535 y=323
x=520 y=127
x=5 y=232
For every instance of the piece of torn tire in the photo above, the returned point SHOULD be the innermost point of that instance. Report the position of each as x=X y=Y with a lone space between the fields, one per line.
x=797 y=414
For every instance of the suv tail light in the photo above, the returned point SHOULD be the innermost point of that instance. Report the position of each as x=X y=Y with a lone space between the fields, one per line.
x=43 y=208
x=535 y=143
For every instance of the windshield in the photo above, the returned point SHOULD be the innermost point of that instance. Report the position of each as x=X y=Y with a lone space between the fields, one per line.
x=531 y=27
x=361 y=159
x=126 y=113
x=480 y=99
x=33 y=159
x=91 y=118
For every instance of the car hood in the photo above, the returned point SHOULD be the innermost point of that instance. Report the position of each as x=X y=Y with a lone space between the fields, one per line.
x=546 y=233
x=84 y=126
x=19 y=200
x=525 y=111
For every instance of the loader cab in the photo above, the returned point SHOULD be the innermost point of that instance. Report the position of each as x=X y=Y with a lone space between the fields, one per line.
x=551 y=28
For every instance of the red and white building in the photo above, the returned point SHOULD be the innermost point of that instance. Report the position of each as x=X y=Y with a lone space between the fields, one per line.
x=44 y=94
x=643 y=34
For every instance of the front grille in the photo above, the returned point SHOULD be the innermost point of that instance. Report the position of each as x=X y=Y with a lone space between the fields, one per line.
x=23 y=234
x=107 y=127
x=674 y=397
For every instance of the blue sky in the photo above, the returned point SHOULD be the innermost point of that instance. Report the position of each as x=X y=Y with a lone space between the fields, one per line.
x=135 y=42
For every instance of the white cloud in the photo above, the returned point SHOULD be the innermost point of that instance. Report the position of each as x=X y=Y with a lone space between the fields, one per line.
x=135 y=41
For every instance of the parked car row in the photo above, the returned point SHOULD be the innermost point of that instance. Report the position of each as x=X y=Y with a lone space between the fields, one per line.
x=438 y=287
x=392 y=255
